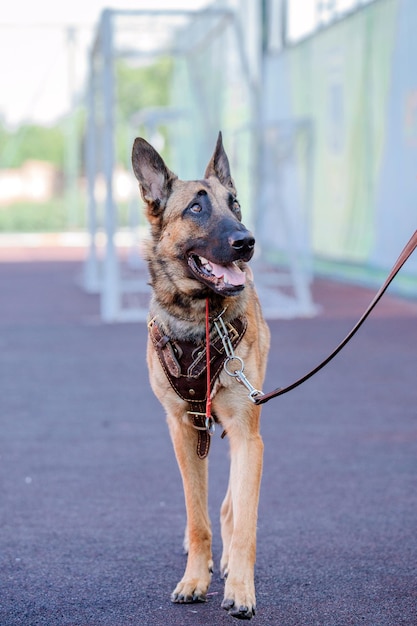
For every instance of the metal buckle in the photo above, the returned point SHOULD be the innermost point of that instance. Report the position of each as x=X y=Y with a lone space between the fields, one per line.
x=233 y=334
x=209 y=423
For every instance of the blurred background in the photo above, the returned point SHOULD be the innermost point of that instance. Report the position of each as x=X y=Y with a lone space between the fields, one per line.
x=316 y=99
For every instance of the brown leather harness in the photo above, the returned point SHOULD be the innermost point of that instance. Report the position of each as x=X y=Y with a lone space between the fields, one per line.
x=185 y=365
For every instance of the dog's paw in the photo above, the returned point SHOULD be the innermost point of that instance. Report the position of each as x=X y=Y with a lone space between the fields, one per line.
x=240 y=612
x=188 y=591
x=192 y=589
x=239 y=599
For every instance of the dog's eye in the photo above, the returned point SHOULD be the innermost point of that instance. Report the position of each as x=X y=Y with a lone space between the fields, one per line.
x=236 y=206
x=195 y=208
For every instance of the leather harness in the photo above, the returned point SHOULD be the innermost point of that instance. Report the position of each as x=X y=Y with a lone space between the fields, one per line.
x=185 y=366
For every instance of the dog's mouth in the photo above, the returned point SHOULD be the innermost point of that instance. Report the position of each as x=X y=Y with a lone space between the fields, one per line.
x=225 y=279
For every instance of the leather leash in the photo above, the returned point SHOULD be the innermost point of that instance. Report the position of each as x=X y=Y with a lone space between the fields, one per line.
x=405 y=254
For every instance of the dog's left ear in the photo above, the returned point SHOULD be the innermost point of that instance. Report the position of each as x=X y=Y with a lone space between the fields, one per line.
x=219 y=166
x=155 y=179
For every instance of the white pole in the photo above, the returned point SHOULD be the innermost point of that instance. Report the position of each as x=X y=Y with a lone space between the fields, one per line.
x=71 y=161
x=110 y=295
x=91 y=270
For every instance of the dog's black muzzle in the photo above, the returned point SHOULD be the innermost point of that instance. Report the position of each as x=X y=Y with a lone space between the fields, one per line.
x=230 y=241
x=214 y=260
x=243 y=242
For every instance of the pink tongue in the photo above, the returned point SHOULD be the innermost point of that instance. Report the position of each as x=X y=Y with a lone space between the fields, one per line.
x=231 y=273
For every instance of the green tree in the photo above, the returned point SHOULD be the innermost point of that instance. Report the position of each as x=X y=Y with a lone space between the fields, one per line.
x=138 y=88
x=143 y=86
x=31 y=141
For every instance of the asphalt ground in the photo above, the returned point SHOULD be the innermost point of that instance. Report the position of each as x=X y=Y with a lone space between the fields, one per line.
x=91 y=508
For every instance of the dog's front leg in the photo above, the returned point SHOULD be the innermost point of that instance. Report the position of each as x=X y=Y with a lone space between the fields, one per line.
x=239 y=517
x=194 y=472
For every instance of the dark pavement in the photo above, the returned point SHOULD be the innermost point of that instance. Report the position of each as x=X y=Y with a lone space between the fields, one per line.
x=91 y=509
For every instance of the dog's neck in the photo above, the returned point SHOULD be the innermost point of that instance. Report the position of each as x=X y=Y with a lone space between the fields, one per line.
x=188 y=323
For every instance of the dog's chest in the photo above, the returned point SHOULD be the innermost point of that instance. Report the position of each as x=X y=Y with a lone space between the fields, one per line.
x=185 y=362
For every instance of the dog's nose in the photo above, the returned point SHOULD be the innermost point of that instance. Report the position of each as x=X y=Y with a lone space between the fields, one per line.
x=243 y=242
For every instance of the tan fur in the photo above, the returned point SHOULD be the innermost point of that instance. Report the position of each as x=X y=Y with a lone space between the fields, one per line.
x=178 y=302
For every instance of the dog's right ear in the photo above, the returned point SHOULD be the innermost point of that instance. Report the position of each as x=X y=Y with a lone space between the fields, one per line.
x=155 y=179
x=219 y=166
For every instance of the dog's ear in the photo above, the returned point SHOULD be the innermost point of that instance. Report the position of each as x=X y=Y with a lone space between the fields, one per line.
x=155 y=179
x=219 y=166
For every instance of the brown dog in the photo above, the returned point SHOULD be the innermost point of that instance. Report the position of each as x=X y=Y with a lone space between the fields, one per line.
x=197 y=257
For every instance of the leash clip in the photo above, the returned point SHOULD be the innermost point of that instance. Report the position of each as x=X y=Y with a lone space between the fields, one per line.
x=223 y=333
x=241 y=378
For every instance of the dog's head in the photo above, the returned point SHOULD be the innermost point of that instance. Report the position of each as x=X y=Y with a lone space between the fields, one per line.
x=198 y=237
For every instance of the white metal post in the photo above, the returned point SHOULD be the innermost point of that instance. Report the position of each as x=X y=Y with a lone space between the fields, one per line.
x=110 y=295
x=91 y=280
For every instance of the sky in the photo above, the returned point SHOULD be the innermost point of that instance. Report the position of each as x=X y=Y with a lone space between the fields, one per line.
x=35 y=65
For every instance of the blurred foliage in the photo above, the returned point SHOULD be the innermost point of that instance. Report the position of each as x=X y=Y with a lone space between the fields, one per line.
x=52 y=216
x=137 y=88
x=29 y=141
x=142 y=86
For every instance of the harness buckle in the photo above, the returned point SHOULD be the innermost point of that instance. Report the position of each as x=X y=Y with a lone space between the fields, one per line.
x=209 y=423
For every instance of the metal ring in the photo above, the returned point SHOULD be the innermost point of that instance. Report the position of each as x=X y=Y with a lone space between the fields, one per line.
x=234 y=358
x=210 y=425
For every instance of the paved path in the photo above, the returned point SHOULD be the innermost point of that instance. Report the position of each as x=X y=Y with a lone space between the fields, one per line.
x=91 y=509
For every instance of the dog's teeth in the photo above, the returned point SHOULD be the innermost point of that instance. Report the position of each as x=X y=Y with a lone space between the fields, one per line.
x=206 y=264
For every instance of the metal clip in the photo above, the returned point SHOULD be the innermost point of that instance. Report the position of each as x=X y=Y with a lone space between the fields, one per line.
x=224 y=336
x=224 y=333
x=241 y=378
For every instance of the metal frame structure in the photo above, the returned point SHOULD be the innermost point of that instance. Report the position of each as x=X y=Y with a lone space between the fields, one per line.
x=104 y=276
x=284 y=231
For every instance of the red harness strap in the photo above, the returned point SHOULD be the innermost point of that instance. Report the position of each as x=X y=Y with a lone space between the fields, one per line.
x=208 y=375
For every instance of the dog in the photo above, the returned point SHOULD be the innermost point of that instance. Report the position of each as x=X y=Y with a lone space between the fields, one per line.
x=197 y=256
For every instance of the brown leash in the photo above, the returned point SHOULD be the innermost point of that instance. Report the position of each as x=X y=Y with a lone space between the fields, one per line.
x=405 y=254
